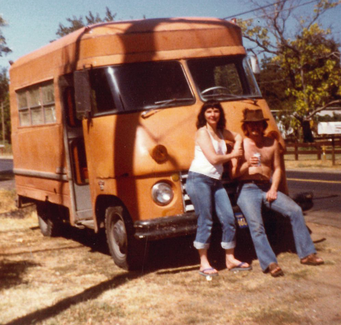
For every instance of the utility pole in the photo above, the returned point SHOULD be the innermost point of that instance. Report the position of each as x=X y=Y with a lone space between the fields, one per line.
x=2 y=146
x=3 y=123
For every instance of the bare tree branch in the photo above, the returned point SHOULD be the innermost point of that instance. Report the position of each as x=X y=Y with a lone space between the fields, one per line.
x=319 y=109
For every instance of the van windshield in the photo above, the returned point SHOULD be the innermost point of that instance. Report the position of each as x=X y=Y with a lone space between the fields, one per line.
x=140 y=86
x=223 y=78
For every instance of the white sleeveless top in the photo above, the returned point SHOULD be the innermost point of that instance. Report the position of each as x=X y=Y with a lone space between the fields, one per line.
x=201 y=165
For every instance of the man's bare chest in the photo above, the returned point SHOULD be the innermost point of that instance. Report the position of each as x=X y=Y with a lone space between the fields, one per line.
x=265 y=150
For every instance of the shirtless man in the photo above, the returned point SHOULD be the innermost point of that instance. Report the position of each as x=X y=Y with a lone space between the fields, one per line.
x=255 y=173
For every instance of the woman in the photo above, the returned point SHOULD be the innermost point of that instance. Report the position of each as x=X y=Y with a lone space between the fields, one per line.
x=205 y=188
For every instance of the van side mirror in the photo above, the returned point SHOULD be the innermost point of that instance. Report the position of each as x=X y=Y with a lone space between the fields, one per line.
x=254 y=63
x=82 y=93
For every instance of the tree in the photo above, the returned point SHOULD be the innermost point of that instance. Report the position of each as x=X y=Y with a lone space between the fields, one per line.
x=4 y=83
x=308 y=61
x=4 y=103
x=273 y=84
x=77 y=23
x=3 y=46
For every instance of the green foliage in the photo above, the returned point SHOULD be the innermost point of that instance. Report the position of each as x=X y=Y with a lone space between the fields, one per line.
x=77 y=23
x=3 y=44
x=273 y=84
x=4 y=102
x=4 y=89
x=312 y=64
x=3 y=84
x=302 y=72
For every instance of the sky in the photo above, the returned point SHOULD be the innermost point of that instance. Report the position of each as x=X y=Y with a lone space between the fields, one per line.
x=34 y=23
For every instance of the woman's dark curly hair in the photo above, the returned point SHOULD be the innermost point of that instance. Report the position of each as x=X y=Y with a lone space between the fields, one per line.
x=201 y=121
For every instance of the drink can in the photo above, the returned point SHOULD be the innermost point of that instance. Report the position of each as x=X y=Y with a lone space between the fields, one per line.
x=257 y=154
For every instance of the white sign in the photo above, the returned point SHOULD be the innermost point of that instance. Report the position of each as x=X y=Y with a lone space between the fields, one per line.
x=329 y=128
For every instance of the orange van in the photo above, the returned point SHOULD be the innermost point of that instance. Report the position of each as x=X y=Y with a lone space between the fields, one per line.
x=103 y=124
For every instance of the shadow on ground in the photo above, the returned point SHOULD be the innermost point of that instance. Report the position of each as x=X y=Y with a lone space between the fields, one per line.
x=180 y=252
x=170 y=255
x=11 y=272
x=64 y=304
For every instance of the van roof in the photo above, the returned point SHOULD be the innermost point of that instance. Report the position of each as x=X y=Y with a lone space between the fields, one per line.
x=136 y=40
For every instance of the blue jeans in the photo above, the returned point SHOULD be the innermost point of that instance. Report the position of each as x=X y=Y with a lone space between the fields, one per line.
x=250 y=201
x=206 y=194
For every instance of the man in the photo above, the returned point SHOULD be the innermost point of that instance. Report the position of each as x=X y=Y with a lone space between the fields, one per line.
x=261 y=163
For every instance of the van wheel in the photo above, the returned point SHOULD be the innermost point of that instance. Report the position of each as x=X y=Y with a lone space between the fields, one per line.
x=127 y=252
x=49 y=223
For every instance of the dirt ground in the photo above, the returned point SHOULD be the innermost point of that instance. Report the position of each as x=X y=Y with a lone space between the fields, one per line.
x=73 y=280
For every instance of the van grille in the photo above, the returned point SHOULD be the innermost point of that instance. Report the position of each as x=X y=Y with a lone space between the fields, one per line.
x=186 y=200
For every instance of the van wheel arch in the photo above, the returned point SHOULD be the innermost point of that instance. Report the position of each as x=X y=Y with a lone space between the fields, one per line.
x=127 y=251
x=102 y=203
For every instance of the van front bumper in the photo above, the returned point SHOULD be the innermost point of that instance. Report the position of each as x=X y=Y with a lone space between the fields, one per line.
x=166 y=227
x=186 y=224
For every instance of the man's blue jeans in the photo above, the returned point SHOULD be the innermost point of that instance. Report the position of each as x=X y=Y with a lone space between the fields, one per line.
x=250 y=201
x=206 y=194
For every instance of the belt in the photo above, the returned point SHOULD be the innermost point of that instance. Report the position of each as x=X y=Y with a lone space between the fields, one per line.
x=255 y=181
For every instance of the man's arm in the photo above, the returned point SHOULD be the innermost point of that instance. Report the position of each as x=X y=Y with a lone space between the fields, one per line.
x=239 y=166
x=271 y=195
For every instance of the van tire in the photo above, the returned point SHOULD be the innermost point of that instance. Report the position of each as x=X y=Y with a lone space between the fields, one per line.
x=49 y=223
x=127 y=252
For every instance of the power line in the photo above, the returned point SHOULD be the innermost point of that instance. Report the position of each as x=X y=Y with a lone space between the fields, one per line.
x=263 y=7
x=273 y=4
x=247 y=12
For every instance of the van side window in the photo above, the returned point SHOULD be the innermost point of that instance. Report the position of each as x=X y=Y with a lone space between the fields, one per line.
x=36 y=104
x=103 y=91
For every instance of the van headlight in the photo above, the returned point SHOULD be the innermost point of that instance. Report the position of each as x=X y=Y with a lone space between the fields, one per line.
x=162 y=193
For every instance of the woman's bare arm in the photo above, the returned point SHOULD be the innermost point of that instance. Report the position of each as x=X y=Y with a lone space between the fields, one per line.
x=204 y=141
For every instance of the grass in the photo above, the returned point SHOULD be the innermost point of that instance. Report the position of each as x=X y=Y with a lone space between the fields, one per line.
x=276 y=316
x=309 y=161
x=7 y=201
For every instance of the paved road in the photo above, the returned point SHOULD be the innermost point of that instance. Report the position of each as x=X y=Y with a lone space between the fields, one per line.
x=6 y=173
x=325 y=185
x=326 y=188
x=6 y=165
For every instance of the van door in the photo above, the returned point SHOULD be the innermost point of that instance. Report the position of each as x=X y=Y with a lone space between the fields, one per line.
x=76 y=161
